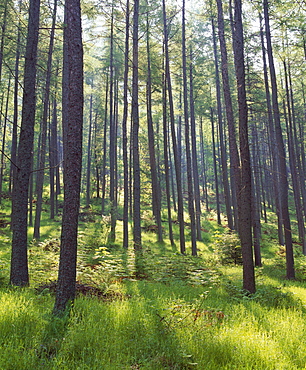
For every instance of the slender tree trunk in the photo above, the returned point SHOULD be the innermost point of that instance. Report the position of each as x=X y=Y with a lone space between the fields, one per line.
x=187 y=142
x=166 y=161
x=194 y=154
x=293 y=163
x=19 y=260
x=156 y=201
x=3 y=138
x=173 y=134
x=3 y=31
x=275 y=162
x=204 y=176
x=135 y=116
x=103 y=169
x=42 y=149
x=53 y=160
x=88 y=169
x=124 y=132
x=245 y=198
x=227 y=195
x=281 y=153
x=112 y=138
x=234 y=155
x=215 y=165
x=72 y=135
x=13 y=170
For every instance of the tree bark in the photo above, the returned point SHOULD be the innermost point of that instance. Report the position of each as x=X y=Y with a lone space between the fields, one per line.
x=19 y=260
x=245 y=198
x=135 y=117
x=280 y=152
x=72 y=110
x=177 y=159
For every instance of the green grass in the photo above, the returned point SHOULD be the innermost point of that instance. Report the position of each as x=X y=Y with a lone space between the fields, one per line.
x=173 y=311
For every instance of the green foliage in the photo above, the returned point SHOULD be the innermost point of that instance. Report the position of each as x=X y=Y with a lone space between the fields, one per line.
x=227 y=247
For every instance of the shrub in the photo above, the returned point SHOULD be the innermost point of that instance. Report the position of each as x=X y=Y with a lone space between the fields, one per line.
x=228 y=248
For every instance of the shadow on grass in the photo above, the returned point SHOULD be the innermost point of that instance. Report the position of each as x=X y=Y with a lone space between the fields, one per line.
x=53 y=336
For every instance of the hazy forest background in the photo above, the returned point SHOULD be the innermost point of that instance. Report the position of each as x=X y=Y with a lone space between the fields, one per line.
x=152 y=162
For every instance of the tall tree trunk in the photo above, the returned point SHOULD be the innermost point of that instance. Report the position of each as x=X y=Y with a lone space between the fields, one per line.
x=195 y=167
x=215 y=165
x=135 y=117
x=53 y=160
x=281 y=153
x=227 y=195
x=204 y=175
x=177 y=159
x=234 y=155
x=112 y=138
x=166 y=161
x=245 y=198
x=124 y=131
x=19 y=259
x=89 y=150
x=272 y=138
x=293 y=163
x=187 y=142
x=43 y=143
x=103 y=166
x=72 y=139
x=156 y=201
x=13 y=168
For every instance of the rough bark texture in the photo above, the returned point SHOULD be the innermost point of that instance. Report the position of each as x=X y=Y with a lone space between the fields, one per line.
x=19 y=261
x=72 y=139
x=245 y=198
x=283 y=180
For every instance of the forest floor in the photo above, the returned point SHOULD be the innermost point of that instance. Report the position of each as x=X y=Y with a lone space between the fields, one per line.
x=154 y=310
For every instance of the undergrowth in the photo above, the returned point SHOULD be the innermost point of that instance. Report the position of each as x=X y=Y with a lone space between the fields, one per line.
x=164 y=310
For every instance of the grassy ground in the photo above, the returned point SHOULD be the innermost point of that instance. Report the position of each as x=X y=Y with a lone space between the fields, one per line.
x=160 y=310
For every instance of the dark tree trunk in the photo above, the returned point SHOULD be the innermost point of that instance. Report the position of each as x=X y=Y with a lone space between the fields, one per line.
x=245 y=198
x=135 y=117
x=89 y=150
x=187 y=142
x=280 y=152
x=124 y=132
x=43 y=143
x=112 y=139
x=103 y=167
x=166 y=160
x=13 y=168
x=293 y=163
x=234 y=155
x=227 y=195
x=19 y=260
x=156 y=200
x=275 y=162
x=204 y=175
x=173 y=134
x=195 y=166
x=72 y=139
x=53 y=160
x=215 y=165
